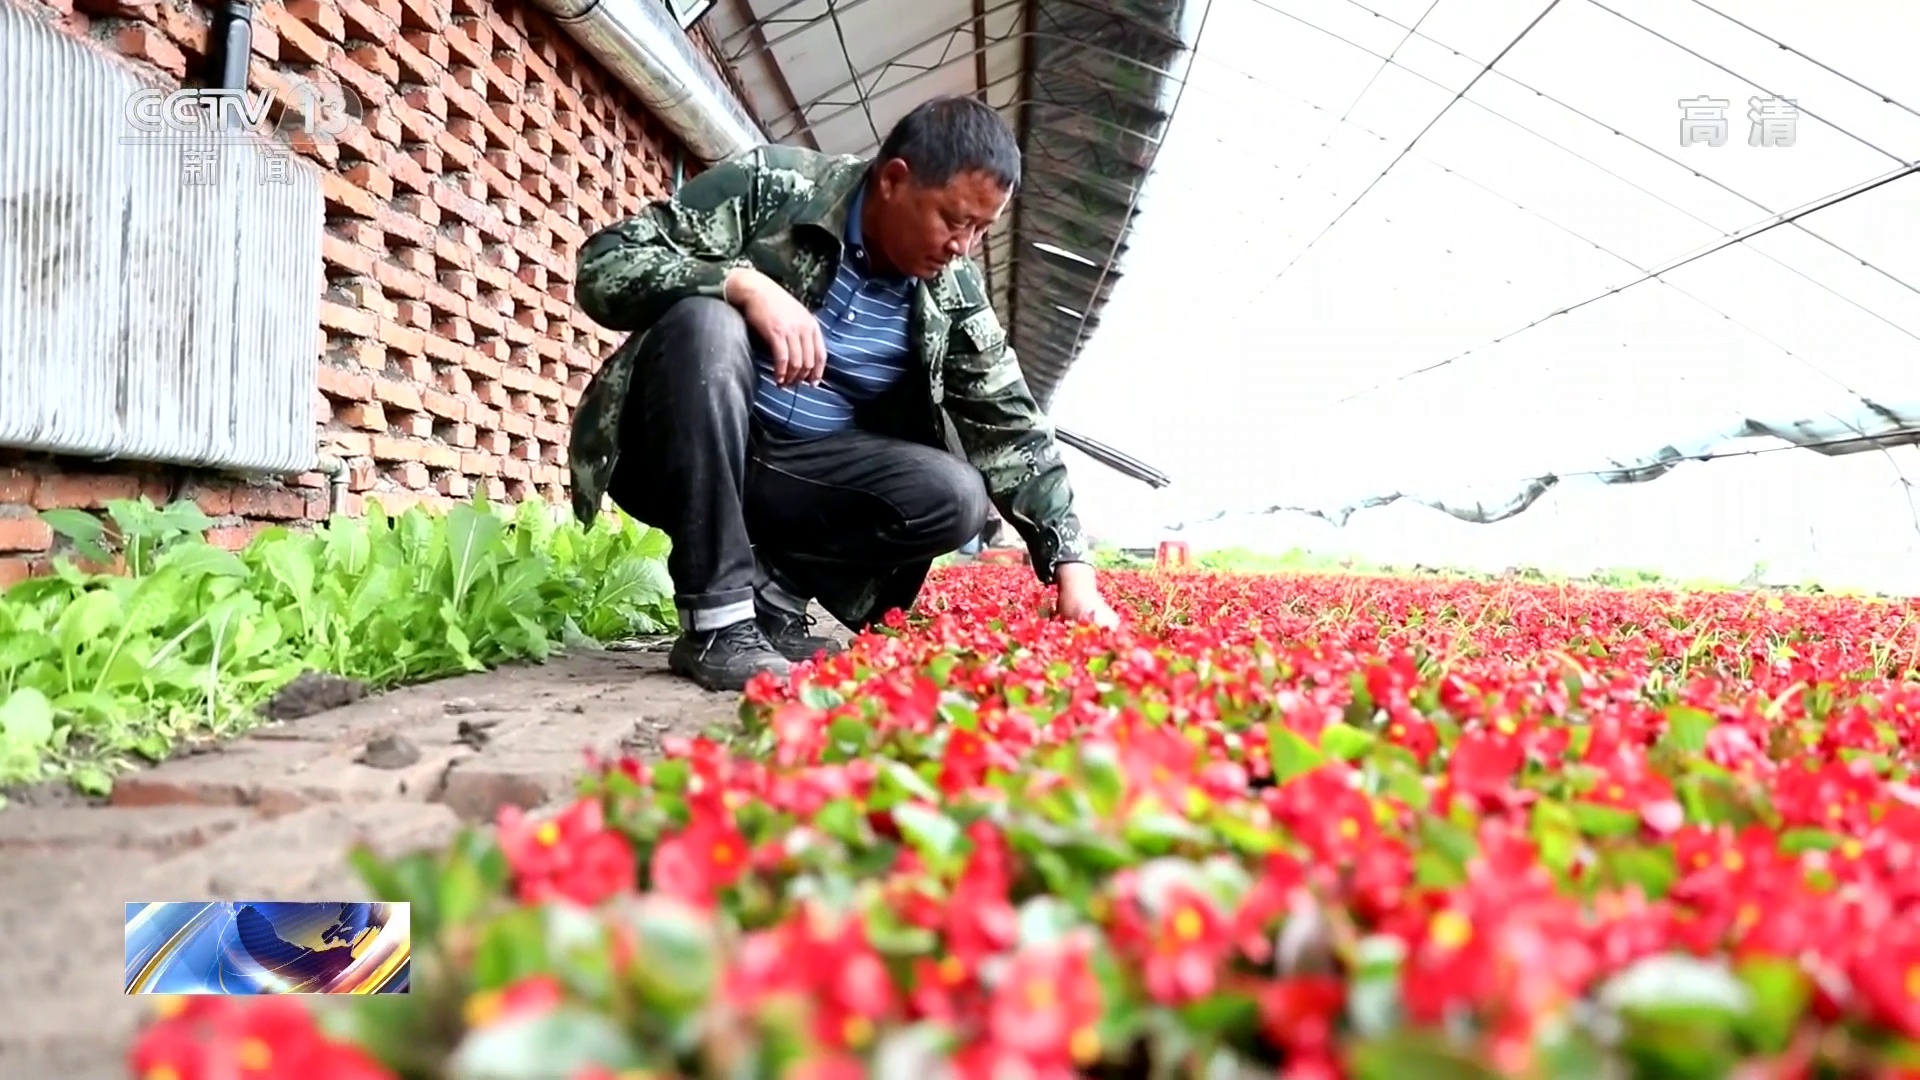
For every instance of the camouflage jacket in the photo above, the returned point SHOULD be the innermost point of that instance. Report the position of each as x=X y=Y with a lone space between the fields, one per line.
x=783 y=211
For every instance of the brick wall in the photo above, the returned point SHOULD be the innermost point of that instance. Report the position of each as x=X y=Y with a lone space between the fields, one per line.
x=452 y=353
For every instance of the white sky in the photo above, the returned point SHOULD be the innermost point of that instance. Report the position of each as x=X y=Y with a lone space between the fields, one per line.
x=1214 y=366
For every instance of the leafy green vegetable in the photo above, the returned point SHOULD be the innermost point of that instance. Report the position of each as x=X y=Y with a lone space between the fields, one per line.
x=99 y=669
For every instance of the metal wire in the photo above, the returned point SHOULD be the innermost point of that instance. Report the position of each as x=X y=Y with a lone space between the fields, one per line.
x=1575 y=110
x=1820 y=204
x=1385 y=63
x=846 y=54
x=1828 y=68
x=1404 y=151
x=1862 y=140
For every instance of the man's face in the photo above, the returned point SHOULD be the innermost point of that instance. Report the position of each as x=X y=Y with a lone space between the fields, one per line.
x=919 y=230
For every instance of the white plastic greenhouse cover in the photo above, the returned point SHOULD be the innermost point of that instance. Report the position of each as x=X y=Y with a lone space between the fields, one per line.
x=1473 y=255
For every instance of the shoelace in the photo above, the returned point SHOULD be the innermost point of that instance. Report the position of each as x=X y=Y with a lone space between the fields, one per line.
x=790 y=622
x=743 y=635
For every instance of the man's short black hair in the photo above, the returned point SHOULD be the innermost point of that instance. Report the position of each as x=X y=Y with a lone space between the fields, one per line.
x=947 y=136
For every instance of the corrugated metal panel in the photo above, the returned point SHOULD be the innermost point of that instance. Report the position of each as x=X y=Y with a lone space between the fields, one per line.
x=158 y=302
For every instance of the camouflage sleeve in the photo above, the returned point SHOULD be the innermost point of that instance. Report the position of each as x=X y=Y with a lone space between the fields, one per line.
x=1011 y=441
x=630 y=272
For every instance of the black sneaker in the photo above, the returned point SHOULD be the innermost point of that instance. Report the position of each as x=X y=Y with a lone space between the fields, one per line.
x=788 y=634
x=727 y=658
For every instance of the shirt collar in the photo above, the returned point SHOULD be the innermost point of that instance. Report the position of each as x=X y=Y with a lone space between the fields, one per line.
x=855 y=235
x=855 y=239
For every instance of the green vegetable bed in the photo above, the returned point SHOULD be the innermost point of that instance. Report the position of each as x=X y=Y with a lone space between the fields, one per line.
x=99 y=671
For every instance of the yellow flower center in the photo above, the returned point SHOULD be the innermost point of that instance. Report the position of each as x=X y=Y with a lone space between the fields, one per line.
x=1853 y=849
x=161 y=1072
x=255 y=1055
x=484 y=1008
x=1188 y=925
x=857 y=1031
x=1913 y=981
x=548 y=834
x=723 y=855
x=1733 y=861
x=1836 y=812
x=1349 y=829
x=167 y=1008
x=1084 y=1046
x=952 y=971
x=1450 y=930
x=1506 y=726
x=1040 y=995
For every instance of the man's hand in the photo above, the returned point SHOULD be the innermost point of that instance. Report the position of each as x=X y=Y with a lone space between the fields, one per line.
x=791 y=332
x=1080 y=598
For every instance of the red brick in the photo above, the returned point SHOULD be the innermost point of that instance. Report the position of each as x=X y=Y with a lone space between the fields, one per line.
x=14 y=571
x=84 y=491
x=303 y=39
x=366 y=415
x=215 y=501
x=345 y=199
x=322 y=15
x=347 y=320
x=16 y=486
x=388 y=449
x=28 y=534
x=151 y=45
x=234 y=537
x=399 y=395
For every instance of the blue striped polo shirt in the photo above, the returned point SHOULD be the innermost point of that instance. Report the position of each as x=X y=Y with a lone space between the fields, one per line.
x=865 y=319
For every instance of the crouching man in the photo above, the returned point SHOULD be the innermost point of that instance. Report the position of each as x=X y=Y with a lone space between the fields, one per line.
x=798 y=322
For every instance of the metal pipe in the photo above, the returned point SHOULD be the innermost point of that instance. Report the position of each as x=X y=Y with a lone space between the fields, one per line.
x=335 y=470
x=230 y=47
x=641 y=44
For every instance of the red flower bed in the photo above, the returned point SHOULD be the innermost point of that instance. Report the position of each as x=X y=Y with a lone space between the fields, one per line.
x=1310 y=827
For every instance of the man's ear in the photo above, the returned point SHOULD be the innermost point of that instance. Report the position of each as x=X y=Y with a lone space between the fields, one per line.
x=894 y=177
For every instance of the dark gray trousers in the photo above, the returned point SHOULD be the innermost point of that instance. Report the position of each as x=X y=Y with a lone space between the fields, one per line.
x=742 y=503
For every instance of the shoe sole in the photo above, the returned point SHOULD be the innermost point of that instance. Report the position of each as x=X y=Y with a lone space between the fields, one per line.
x=693 y=675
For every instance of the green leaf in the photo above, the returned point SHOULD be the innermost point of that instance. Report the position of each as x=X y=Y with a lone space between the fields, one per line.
x=462 y=891
x=910 y=783
x=84 y=531
x=678 y=963
x=1413 y=1054
x=1291 y=755
x=512 y=947
x=935 y=835
x=1651 y=868
x=555 y=1045
x=1799 y=841
x=1598 y=820
x=88 y=618
x=1687 y=729
x=1780 y=992
x=26 y=719
x=1345 y=742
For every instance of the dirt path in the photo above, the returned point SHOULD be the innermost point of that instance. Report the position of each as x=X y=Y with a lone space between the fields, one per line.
x=270 y=816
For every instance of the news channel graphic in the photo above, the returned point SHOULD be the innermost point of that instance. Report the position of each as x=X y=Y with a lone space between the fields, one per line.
x=204 y=126
x=247 y=949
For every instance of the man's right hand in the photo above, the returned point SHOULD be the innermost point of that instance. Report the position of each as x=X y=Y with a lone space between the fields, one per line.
x=791 y=332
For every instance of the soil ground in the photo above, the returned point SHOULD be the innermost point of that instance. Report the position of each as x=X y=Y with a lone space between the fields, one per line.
x=271 y=816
